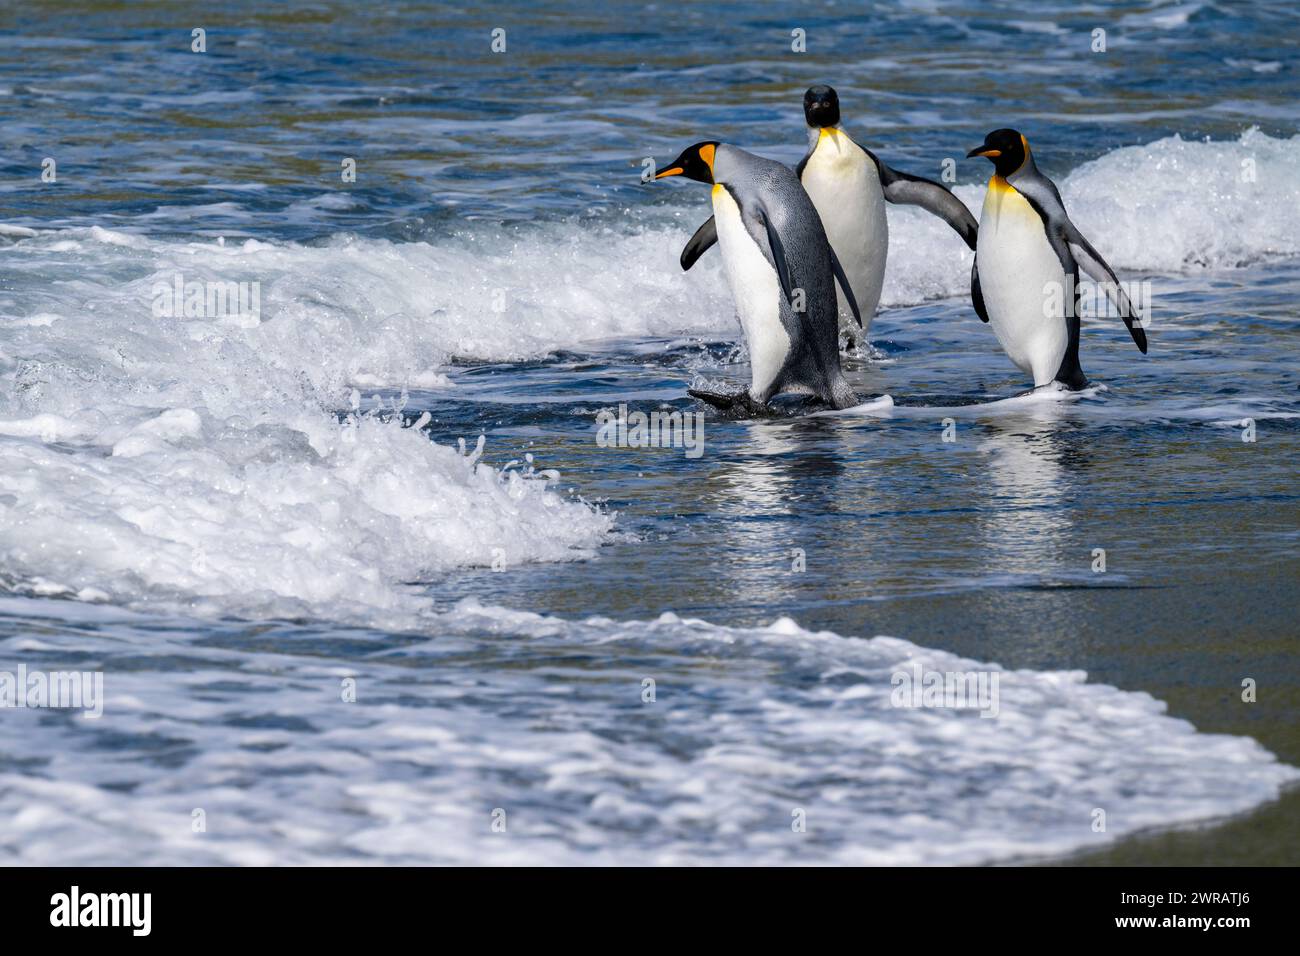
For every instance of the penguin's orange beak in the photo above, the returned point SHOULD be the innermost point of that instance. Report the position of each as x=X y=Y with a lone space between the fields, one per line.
x=984 y=151
x=669 y=171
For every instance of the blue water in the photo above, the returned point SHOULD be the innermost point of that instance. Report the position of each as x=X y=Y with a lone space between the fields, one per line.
x=232 y=515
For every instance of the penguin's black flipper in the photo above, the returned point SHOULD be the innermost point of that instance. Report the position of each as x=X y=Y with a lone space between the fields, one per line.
x=1073 y=249
x=976 y=293
x=1091 y=262
x=901 y=187
x=1070 y=373
x=844 y=284
x=778 y=258
x=700 y=243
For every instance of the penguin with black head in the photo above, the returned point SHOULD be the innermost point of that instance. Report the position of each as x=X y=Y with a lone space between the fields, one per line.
x=1025 y=279
x=782 y=273
x=849 y=186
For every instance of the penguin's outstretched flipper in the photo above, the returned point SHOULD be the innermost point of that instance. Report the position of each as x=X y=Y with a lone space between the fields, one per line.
x=976 y=293
x=705 y=237
x=1092 y=263
x=1071 y=245
x=843 y=280
x=901 y=187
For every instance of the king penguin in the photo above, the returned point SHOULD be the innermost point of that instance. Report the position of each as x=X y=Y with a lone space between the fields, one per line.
x=849 y=185
x=1025 y=279
x=782 y=274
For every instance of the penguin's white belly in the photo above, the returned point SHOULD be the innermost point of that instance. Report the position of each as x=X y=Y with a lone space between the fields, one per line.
x=844 y=185
x=1022 y=282
x=757 y=291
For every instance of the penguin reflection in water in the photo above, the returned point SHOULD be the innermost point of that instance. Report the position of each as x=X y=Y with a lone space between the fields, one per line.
x=1027 y=263
x=849 y=186
x=782 y=274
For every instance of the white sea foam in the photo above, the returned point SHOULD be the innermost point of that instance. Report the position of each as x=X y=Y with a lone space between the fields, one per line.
x=1180 y=205
x=203 y=461
x=750 y=730
x=297 y=515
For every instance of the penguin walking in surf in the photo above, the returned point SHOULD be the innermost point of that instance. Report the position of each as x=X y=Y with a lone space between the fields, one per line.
x=849 y=185
x=1025 y=279
x=782 y=274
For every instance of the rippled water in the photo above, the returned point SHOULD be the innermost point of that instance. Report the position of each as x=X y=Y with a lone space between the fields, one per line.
x=232 y=516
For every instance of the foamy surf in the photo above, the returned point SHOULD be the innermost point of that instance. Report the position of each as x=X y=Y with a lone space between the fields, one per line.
x=154 y=457
x=292 y=514
x=506 y=294
x=749 y=730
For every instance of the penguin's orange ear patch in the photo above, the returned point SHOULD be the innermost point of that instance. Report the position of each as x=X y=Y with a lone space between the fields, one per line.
x=707 y=152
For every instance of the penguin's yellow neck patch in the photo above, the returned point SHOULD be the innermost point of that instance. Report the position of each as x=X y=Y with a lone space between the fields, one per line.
x=723 y=205
x=999 y=185
x=832 y=144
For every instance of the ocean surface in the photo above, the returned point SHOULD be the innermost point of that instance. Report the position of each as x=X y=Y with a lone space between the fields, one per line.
x=365 y=588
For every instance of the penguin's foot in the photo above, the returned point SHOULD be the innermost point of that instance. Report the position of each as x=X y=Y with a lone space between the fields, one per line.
x=1051 y=387
x=736 y=404
x=842 y=397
